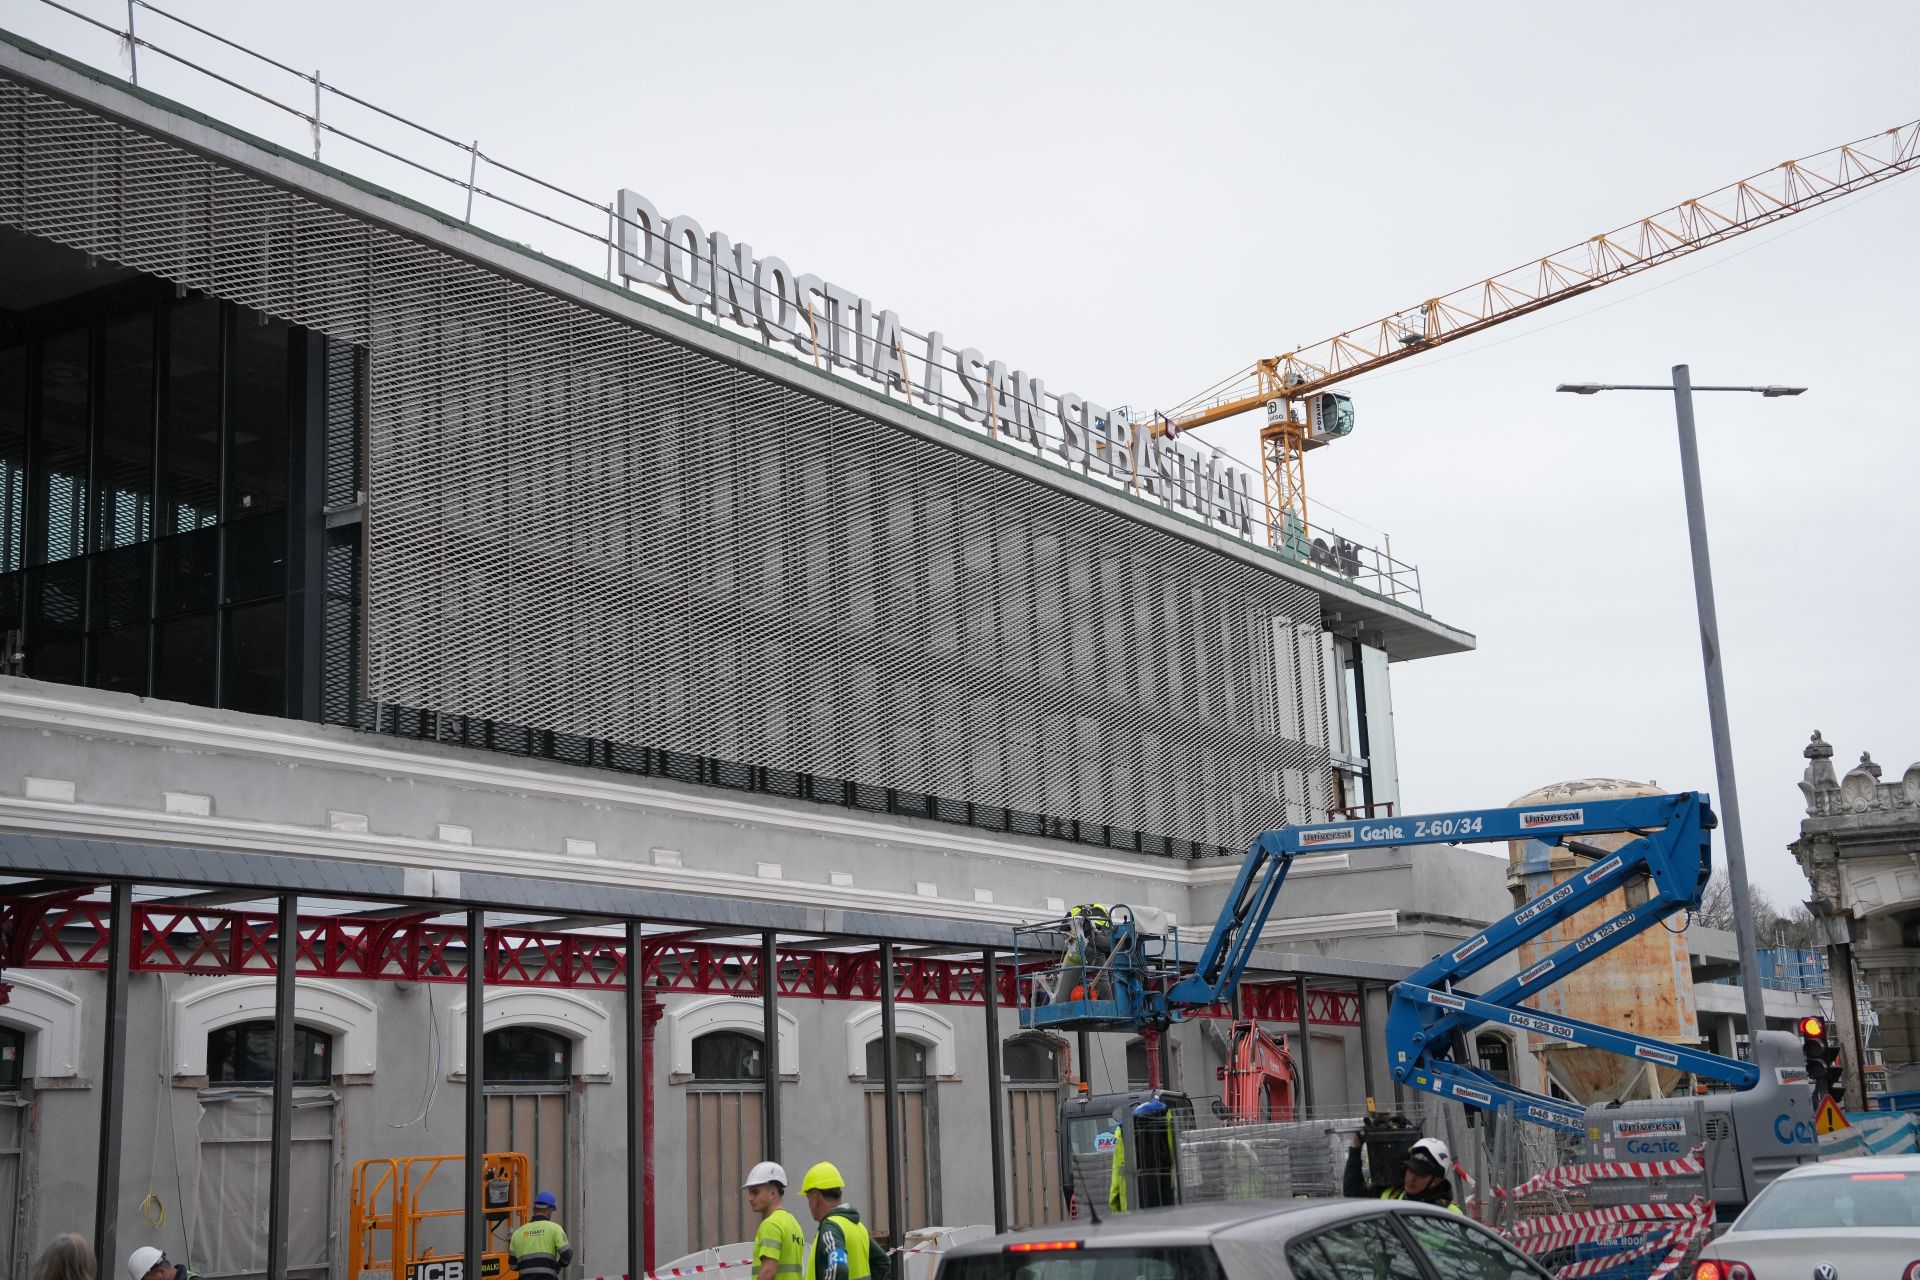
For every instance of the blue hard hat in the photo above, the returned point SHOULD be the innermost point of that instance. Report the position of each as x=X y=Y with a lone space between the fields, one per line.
x=1151 y=1107
x=545 y=1200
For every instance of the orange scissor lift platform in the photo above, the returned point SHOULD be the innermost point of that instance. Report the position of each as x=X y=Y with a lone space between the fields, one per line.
x=398 y=1211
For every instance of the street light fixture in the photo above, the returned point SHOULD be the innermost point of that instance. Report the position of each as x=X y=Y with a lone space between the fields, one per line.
x=1682 y=388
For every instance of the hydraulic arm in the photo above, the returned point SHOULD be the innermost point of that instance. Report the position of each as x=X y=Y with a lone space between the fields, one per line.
x=1671 y=851
x=1427 y=1026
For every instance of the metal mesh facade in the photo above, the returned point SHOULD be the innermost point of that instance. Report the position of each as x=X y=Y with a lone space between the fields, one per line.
x=576 y=524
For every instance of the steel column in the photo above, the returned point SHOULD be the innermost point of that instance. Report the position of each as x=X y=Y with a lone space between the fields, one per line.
x=280 y=1203
x=996 y=1121
x=770 y=1041
x=890 y=1086
x=638 y=1085
x=1305 y=1060
x=113 y=1077
x=1366 y=1046
x=1085 y=1051
x=474 y=1182
x=1728 y=799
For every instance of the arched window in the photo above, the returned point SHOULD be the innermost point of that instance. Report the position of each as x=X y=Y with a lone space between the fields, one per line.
x=909 y=1060
x=242 y=1053
x=914 y=1099
x=728 y=1056
x=1031 y=1060
x=527 y=1055
x=726 y=1125
x=13 y=1058
x=1496 y=1056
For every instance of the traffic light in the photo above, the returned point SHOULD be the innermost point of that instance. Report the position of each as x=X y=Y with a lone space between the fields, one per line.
x=1823 y=1059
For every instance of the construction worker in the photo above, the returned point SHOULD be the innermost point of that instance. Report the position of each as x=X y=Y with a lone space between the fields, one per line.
x=842 y=1249
x=538 y=1248
x=779 y=1244
x=1423 y=1177
x=1093 y=924
x=1155 y=1180
x=149 y=1263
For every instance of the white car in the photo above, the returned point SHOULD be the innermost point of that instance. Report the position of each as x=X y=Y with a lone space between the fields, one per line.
x=1853 y=1219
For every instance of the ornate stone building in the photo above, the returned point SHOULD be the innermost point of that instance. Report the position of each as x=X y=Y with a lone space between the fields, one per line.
x=1860 y=848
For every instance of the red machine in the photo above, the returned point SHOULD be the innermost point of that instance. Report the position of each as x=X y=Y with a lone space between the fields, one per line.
x=1258 y=1077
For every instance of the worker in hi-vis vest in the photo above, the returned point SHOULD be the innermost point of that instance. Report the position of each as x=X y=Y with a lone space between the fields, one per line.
x=1155 y=1183
x=538 y=1249
x=779 y=1244
x=842 y=1249
x=1423 y=1177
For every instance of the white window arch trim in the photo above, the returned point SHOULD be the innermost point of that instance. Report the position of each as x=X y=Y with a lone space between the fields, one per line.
x=688 y=1021
x=201 y=1009
x=577 y=1018
x=51 y=1018
x=913 y=1021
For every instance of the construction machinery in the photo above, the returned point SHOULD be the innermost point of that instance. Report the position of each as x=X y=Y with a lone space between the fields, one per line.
x=1257 y=1079
x=1132 y=980
x=405 y=1215
x=1294 y=389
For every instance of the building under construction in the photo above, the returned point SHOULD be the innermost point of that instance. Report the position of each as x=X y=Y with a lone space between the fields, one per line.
x=382 y=596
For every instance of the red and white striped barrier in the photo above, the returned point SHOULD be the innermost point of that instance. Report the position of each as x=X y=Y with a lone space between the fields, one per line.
x=1579 y=1175
x=1671 y=1246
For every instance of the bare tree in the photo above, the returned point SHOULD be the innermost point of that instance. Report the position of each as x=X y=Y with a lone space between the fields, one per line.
x=1771 y=926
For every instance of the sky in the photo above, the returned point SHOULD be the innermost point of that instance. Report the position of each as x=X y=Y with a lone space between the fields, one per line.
x=1136 y=200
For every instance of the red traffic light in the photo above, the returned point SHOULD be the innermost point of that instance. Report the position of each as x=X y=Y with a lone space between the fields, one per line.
x=1813 y=1028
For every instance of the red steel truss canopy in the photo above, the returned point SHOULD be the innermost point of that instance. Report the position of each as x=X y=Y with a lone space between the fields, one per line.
x=65 y=929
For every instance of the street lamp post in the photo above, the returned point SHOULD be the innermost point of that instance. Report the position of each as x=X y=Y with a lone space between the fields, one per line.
x=1683 y=389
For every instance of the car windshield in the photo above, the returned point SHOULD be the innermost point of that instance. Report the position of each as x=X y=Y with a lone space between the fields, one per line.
x=1159 y=1262
x=1890 y=1199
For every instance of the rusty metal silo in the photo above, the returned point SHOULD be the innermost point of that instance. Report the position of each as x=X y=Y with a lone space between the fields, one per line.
x=1644 y=986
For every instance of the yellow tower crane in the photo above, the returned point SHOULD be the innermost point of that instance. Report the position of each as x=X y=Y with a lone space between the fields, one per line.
x=1294 y=389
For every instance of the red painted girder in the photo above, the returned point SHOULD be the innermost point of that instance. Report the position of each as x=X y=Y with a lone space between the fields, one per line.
x=59 y=932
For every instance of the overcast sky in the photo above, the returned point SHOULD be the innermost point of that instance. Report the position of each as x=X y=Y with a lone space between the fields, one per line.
x=1135 y=200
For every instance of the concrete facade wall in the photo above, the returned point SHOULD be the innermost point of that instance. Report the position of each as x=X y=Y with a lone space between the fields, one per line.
x=84 y=763
x=380 y=1114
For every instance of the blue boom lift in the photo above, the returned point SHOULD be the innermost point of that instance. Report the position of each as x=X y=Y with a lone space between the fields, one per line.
x=1127 y=976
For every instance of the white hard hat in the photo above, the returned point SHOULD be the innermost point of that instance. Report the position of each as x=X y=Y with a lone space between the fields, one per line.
x=764 y=1172
x=142 y=1260
x=1437 y=1149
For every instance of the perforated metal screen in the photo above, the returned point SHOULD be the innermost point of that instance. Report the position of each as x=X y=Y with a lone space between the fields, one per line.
x=577 y=524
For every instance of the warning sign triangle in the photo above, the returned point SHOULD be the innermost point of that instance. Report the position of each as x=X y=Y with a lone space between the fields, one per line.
x=1829 y=1118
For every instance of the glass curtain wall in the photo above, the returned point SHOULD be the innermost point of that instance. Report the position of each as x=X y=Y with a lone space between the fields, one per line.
x=146 y=460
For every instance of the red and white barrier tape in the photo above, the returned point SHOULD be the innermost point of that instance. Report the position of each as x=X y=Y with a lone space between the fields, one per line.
x=1579 y=1175
x=1563 y=1222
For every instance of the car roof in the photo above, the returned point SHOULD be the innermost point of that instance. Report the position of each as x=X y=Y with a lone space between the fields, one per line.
x=1187 y=1224
x=1856 y=1164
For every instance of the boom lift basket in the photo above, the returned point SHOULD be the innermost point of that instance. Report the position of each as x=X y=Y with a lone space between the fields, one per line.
x=1107 y=973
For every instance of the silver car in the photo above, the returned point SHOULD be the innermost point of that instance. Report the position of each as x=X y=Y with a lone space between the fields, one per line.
x=1252 y=1240
x=1850 y=1219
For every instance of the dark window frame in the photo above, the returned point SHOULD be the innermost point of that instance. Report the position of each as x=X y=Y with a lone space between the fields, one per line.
x=238 y=1048
x=13 y=1071
x=746 y=1046
x=547 y=1042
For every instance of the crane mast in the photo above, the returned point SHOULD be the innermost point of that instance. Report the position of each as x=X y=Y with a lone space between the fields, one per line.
x=1292 y=387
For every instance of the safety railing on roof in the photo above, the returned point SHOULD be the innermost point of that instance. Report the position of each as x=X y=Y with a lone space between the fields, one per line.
x=455 y=177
